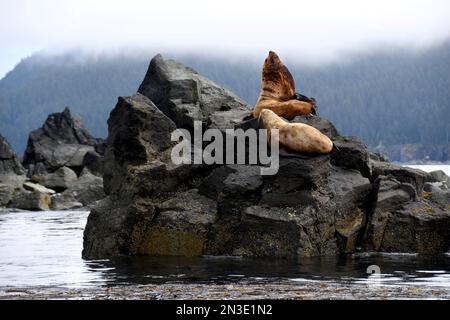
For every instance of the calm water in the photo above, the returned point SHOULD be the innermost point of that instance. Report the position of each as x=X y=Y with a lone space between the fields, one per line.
x=44 y=249
x=429 y=168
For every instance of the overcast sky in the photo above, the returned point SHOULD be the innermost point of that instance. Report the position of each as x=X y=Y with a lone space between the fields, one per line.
x=314 y=30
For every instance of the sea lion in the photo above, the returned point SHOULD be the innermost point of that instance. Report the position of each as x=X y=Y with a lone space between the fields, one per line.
x=298 y=137
x=278 y=91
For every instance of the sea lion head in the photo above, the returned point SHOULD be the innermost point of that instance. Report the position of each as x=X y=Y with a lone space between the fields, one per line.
x=277 y=81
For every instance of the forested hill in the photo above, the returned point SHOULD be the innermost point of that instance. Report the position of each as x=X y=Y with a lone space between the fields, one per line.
x=388 y=98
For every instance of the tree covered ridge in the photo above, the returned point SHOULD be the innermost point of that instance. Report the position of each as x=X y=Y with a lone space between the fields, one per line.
x=390 y=98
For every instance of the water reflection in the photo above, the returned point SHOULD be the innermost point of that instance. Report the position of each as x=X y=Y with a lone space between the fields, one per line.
x=44 y=249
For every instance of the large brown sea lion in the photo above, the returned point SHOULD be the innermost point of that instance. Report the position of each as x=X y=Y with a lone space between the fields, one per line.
x=278 y=91
x=296 y=136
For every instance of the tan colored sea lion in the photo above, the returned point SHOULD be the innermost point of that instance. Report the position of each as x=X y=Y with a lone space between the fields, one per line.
x=278 y=91
x=296 y=136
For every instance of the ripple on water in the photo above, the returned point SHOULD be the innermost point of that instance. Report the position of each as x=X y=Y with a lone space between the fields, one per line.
x=39 y=249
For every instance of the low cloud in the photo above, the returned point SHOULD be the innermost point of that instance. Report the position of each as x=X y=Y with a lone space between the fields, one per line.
x=314 y=31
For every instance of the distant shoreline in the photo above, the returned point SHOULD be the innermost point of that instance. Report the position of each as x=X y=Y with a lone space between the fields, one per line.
x=430 y=167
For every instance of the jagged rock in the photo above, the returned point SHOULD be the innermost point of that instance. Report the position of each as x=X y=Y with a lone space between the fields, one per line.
x=438 y=176
x=62 y=141
x=9 y=186
x=180 y=228
x=84 y=193
x=418 y=227
x=288 y=232
x=28 y=200
x=295 y=216
x=138 y=132
x=437 y=192
x=414 y=177
x=30 y=186
x=59 y=180
x=9 y=164
x=64 y=201
x=86 y=190
x=390 y=196
x=238 y=181
x=351 y=193
x=275 y=232
x=351 y=153
x=38 y=172
x=321 y=124
x=11 y=173
x=93 y=161
x=186 y=96
x=296 y=181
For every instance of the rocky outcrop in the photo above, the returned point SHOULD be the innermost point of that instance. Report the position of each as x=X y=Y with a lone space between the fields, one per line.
x=352 y=196
x=31 y=200
x=314 y=205
x=12 y=174
x=408 y=176
x=56 y=157
x=185 y=96
x=62 y=141
x=64 y=165
x=9 y=163
x=85 y=192
x=439 y=176
x=351 y=153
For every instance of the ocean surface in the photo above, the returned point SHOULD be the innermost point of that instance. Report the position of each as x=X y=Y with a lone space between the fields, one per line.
x=43 y=249
x=429 y=168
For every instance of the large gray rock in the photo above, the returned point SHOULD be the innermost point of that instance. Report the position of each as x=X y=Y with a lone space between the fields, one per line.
x=181 y=226
x=186 y=96
x=390 y=195
x=84 y=192
x=61 y=179
x=28 y=200
x=93 y=161
x=9 y=186
x=9 y=164
x=402 y=223
x=64 y=201
x=413 y=177
x=438 y=176
x=11 y=173
x=437 y=192
x=34 y=187
x=138 y=132
x=351 y=194
x=297 y=180
x=417 y=227
x=62 y=141
x=351 y=153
